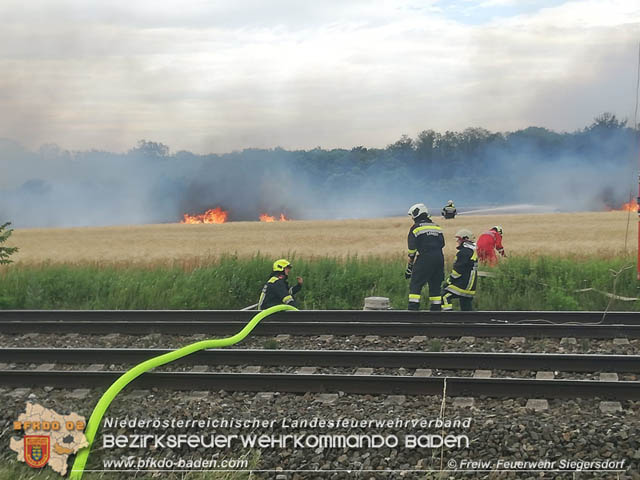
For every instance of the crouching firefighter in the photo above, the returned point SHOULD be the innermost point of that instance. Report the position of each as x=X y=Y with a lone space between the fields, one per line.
x=426 y=261
x=276 y=291
x=464 y=275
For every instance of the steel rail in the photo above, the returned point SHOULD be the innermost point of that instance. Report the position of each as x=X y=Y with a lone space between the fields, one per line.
x=357 y=384
x=335 y=358
x=325 y=316
x=270 y=328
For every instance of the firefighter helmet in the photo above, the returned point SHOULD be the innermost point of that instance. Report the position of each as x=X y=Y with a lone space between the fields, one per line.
x=418 y=209
x=498 y=229
x=464 y=233
x=450 y=203
x=280 y=265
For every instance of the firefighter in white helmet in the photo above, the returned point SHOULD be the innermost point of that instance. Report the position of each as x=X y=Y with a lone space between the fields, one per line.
x=449 y=210
x=276 y=291
x=463 y=279
x=426 y=261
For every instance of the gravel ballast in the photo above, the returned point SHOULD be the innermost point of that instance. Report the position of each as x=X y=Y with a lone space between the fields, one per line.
x=497 y=429
x=353 y=342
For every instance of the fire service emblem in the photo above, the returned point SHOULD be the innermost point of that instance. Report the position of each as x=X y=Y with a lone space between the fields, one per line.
x=36 y=450
x=49 y=438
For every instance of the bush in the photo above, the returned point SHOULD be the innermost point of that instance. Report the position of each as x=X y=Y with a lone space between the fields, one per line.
x=6 y=252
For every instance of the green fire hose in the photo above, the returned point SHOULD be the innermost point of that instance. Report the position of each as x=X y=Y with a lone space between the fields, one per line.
x=101 y=407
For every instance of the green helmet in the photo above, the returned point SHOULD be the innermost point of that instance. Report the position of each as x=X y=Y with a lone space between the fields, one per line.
x=280 y=265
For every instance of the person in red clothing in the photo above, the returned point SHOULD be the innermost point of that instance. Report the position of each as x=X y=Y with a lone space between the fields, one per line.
x=488 y=243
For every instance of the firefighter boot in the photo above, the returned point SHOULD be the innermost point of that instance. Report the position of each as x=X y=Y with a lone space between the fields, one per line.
x=414 y=302
x=446 y=302
x=436 y=304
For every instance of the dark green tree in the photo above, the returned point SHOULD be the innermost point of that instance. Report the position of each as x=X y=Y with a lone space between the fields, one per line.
x=426 y=144
x=151 y=149
x=6 y=252
x=607 y=121
x=402 y=151
x=405 y=144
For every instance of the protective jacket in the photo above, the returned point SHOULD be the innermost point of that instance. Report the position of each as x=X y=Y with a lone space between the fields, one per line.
x=425 y=240
x=487 y=244
x=277 y=292
x=464 y=275
x=449 y=211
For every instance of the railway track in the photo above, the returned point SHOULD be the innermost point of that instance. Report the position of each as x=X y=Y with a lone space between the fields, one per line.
x=360 y=384
x=334 y=358
x=383 y=323
x=270 y=328
x=323 y=316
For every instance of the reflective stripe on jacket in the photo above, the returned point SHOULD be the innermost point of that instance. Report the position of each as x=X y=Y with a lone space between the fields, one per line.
x=276 y=292
x=425 y=237
x=464 y=276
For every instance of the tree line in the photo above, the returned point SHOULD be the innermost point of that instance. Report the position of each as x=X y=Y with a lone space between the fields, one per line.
x=590 y=167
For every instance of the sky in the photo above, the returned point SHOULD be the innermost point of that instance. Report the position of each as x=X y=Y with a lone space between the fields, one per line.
x=217 y=76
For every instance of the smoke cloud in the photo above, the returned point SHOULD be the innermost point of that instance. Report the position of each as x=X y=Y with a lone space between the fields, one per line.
x=592 y=169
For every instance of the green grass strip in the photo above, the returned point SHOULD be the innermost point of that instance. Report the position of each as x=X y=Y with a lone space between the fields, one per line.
x=101 y=407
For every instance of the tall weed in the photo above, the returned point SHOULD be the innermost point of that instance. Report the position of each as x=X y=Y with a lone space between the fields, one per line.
x=232 y=282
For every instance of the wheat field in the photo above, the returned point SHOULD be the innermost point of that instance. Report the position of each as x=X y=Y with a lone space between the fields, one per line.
x=586 y=234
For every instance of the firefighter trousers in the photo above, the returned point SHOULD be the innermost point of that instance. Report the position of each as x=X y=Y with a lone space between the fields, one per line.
x=428 y=269
x=486 y=256
x=466 y=303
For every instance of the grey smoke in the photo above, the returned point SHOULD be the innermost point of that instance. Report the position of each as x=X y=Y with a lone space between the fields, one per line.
x=56 y=188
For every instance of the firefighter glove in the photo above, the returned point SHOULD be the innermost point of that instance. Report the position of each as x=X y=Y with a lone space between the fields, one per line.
x=408 y=271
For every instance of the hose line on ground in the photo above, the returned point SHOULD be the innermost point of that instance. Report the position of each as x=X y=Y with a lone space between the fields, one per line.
x=101 y=407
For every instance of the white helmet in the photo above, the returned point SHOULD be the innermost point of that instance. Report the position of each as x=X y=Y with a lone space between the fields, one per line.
x=418 y=209
x=450 y=202
x=498 y=229
x=464 y=233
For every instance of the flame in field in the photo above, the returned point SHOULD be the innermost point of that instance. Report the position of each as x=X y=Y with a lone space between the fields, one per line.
x=631 y=206
x=218 y=215
x=214 y=215
x=268 y=218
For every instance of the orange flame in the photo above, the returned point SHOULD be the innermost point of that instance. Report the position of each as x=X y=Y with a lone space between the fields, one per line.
x=214 y=215
x=631 y=206
x=268 y=218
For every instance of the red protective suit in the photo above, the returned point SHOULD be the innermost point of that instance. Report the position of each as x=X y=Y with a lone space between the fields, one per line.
x=487 y=245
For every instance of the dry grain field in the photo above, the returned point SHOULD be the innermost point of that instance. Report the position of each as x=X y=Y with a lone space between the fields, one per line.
x=587 y=234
